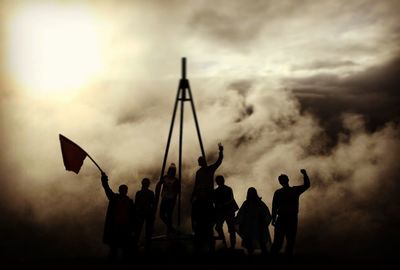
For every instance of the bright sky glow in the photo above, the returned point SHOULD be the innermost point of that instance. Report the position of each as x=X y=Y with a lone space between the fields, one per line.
x=53 y=50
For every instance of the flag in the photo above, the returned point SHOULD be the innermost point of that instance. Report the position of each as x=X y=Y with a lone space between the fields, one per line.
x=73 y=154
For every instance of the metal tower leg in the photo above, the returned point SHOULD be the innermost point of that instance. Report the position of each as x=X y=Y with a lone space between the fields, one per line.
x=184 y=93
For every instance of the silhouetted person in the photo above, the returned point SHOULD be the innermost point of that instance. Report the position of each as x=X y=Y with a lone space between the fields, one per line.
x=285 y=207
x=203 y=211
x=145 y=208
x=253 y=219
x=119 y=223
x=204 y=182
x=169 y=193
x=225 y=208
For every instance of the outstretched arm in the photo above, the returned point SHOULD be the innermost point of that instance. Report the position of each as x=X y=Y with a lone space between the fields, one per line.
x=104 y=181
x=220 y=157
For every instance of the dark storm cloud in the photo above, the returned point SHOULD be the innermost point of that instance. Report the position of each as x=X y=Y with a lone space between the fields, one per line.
x=237 y=22
x=373 y=93
x=240 y=24
x=324 y=65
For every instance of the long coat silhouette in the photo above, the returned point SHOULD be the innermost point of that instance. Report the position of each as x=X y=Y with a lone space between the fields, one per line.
x=119 y=221
x=253 y=219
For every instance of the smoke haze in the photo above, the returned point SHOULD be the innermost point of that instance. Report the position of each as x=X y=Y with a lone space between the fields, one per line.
x=282 y=86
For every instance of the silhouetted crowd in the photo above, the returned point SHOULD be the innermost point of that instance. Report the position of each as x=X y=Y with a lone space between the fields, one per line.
x=211 y=208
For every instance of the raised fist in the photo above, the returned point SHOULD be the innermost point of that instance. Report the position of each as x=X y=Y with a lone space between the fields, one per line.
x=220 y=147
x=303 y=171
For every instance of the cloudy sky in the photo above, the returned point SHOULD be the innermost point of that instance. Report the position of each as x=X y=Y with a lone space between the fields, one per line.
x=284 y=85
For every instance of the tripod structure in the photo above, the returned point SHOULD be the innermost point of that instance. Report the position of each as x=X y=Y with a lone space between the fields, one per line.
x=183 y=94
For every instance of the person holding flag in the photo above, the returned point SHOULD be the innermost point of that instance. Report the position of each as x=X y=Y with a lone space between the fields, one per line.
x=120 y=215
x=119 y=222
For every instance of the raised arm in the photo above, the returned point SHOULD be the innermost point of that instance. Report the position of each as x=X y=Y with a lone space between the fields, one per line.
x=104 y=181
x=306 y=183
x=220 y=157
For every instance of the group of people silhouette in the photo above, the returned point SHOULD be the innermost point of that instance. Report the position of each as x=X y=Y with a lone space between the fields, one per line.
x=211 y=208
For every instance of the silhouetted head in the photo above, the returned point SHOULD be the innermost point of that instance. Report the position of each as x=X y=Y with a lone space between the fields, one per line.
x=220 y=180
x=123 y=189
x=145 y=183
x=172 y=170
x=252 y=194
x=283 y=180
x=202 y=162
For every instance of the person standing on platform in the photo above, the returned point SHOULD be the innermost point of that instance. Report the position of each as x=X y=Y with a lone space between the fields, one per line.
x=169 y=193
x=203 y=211
x=145 y=211
x=285 y=208
x=119 y=222
x=253 y=219
x=225 y=208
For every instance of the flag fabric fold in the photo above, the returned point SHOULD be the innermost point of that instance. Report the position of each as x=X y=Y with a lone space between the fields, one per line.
x=73 y=154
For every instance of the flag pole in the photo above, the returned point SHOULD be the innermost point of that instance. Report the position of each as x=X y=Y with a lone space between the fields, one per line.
x=95 y=163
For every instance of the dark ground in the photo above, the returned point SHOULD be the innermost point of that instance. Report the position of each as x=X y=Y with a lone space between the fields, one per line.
x=178 y=254
x=217 y=261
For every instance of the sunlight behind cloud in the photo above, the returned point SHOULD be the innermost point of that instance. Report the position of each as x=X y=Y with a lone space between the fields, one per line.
x=53 y=49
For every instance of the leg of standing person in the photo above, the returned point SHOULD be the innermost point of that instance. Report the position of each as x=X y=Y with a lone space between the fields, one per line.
x=219 y=229
x=138 y=230
x=230 y=221
x=169 y=213
x=195 y=227
x=149 y=231
x=163 y=211
x=210 y=219
x=249 y=246
x=211 y=238
x=263 y=246
x=113 y=254
x=291 y=236
x=278 y=238
x=263 y=238
x=126 y=253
